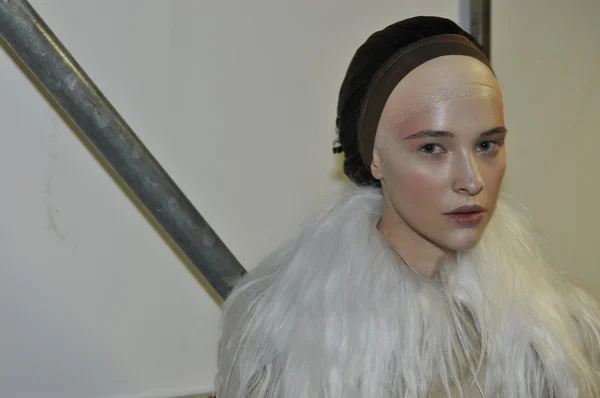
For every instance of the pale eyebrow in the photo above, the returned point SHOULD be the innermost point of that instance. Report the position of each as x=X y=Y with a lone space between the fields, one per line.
x=448 y=134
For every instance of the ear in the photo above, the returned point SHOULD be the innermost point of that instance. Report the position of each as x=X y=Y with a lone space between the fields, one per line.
x=376 y=166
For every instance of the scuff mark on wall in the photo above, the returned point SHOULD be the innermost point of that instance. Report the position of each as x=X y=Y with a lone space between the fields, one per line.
x=50 y=146
x=51 y=211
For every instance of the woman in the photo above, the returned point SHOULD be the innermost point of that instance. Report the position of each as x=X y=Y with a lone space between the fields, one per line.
x=420 y=281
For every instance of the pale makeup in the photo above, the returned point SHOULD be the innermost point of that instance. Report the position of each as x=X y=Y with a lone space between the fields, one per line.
x=439 y=145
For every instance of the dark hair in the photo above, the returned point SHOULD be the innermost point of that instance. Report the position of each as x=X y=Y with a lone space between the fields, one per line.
x=369 y=57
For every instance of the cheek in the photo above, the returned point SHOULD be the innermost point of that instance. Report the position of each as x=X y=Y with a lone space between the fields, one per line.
x=494 y=178
x=413 y=184
x=421 y=189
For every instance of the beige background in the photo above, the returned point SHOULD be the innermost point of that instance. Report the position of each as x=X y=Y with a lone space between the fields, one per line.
x=547 y=57
x=237 y=101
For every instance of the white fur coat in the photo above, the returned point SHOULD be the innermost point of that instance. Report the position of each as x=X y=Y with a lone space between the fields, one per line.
x=333 y=314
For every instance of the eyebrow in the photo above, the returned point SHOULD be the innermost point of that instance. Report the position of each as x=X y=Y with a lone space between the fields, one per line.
x=448 y=134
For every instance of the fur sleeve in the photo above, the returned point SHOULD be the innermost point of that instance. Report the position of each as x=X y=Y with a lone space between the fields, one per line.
x=586 y=312
x=246 y=348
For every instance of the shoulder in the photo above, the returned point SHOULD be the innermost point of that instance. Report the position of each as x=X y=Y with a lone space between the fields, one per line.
x=267 y=311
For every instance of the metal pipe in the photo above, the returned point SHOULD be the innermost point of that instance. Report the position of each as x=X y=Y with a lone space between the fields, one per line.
x=480 y=24
x=34 y=43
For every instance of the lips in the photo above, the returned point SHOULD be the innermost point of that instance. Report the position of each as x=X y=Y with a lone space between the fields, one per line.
x=467 y=215
x=466 y=209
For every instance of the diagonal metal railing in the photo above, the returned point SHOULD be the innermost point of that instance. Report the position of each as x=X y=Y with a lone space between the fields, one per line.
x=74 y=92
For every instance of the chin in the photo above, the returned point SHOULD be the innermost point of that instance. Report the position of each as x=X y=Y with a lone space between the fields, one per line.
x=461 y=240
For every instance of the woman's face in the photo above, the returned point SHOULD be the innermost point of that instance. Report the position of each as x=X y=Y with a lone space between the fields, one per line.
x=440 y=146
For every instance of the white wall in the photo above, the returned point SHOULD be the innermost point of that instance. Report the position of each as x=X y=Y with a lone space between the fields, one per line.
x=237 y=101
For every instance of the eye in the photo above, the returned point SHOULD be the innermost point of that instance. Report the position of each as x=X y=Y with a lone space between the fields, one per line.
x=489 y=146
x=432 y=149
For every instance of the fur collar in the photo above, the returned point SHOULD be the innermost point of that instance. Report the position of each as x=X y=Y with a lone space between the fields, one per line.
x=333 y=314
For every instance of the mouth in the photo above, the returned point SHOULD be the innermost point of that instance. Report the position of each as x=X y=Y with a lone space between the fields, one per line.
x=467 y=215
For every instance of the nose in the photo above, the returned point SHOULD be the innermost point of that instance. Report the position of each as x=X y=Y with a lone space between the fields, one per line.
x=467 y=178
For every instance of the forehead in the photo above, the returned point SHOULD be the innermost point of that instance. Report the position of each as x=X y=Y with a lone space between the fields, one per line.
x=450 y=86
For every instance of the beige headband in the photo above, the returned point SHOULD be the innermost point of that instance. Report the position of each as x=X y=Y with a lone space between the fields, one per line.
x=395 y=69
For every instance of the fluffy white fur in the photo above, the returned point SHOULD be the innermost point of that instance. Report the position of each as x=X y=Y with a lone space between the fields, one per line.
x=333 y=313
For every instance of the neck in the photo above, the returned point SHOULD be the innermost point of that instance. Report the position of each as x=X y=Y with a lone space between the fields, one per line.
x=419 y=253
